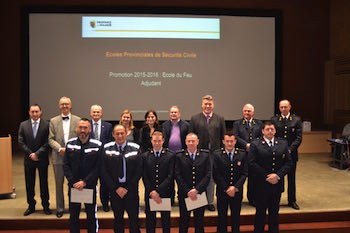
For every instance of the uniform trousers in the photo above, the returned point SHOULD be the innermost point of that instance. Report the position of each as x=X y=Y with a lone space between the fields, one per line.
x=235 y=203
x=269 y=200
x=291 y=183
x=185 y=218
x=130 y=203
x=151 y=219
x=91 y=220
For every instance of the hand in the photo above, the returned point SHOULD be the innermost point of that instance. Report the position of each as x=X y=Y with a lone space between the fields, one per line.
x=121 y=192
x=155 y=196
x=247 y=147
x=79 y=185
x=231 y=191
x=192 y=194
x=33 y=157
x=272 y=178
x=62 y=151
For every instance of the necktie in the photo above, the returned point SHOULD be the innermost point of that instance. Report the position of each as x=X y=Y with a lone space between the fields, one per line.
x=121 y=166
x=35 y=124
x=231 y=156
x=96 y=131
x=270 y=144
x=192 y=157
x=208 y=119
x=249 y=124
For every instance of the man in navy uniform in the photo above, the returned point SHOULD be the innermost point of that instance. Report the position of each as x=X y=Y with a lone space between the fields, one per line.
x=33 y=140
x=81 y=168
x=245 y=130
x=102 y=131
x=192 y=174
x=269 y=161
x=289 y=127
x=121 y=170
x=158 y=175
x=230 y=170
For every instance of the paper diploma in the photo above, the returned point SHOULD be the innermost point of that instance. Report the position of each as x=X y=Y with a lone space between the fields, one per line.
x=164 y=206
x=201 y=201
x=84 y=196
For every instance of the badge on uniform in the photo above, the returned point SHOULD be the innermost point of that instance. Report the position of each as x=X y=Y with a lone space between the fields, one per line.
x=293 y=129
x=283 y=156
x=239 y=163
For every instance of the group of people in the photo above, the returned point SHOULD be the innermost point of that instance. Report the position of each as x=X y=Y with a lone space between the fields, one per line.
x=197 y=155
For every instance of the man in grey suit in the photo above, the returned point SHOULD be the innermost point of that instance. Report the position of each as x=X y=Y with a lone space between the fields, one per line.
x=210 y=129
x=33 y=141
x=62 y=128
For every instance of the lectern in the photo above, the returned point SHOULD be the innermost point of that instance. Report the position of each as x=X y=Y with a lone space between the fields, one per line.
x=6 y=183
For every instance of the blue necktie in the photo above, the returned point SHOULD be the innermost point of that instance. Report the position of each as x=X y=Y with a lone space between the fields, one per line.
x=35 y=128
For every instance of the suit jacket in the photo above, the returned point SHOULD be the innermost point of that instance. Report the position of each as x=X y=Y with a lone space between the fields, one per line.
x=106 y=131
x=158 y=173
x=56 y=136
x=264 y=160
x=167 y=126
x=212 y=134
x=227 y=173
x=111 y=162
x=39 y=145
x=245 y=134
x=192 y=174
x=290 y=130
x=82 y=162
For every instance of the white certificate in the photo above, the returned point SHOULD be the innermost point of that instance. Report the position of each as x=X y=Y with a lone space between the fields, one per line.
x=199 y=202
x=164 y=206
x=83 y=196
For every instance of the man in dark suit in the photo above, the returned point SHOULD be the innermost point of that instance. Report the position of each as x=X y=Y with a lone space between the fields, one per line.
x=33 y=140
x=101 y=131
x=245 y=130
x=192 y=174
x=121 y=170
x=269 y=161
x=229 y=172
x=289 y=127
x=81 y=167
x=158 y=175
x=210 y=129
x=175 y=131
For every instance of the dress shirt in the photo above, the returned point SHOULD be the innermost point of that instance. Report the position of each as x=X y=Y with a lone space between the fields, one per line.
x=66 y=125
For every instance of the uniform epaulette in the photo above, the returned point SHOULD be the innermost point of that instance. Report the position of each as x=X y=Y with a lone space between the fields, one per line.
x=72 y=139
x=239 y=149
x=204 y=150
x=133 y=144
x=109 y=144
x=180 y=151
x=95 y=141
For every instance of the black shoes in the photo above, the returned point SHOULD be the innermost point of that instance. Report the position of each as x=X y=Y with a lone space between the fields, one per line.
x=211 y=207
x=106 y=208
x=29 y=211
x=59 y=213
x=47 y=211
x=294 y=205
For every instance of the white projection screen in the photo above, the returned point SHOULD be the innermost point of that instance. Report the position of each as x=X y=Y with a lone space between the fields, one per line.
x=150 y=61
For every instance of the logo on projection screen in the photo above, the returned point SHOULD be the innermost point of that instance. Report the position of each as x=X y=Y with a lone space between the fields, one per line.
x=93 y=23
